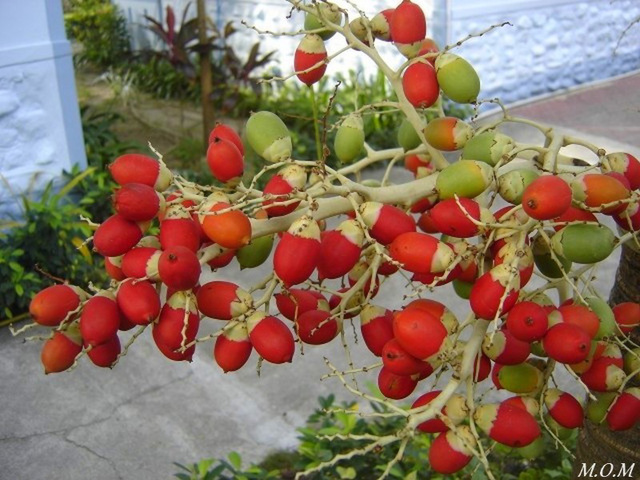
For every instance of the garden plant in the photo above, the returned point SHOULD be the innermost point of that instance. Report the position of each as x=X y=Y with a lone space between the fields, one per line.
x=518 y=229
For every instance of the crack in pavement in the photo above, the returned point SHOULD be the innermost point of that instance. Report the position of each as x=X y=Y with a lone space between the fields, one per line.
x=92 y=452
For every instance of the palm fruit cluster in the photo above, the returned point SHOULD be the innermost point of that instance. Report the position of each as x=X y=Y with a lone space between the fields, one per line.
x=442 y=227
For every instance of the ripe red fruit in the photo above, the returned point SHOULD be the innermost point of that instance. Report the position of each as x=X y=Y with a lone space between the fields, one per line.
x=564 y=408
x=504 y=348
x=233 y=348
x=113 y=267
x=298 y=252
x=421 y=253
x=116 y=236
x=506 y=424
x=395 y=386
x=567 y=343
x=294 y=302
x=288 y=179
x=177 y=326
x=223 y=300
x=60 y=351
x=573 y=214
x=487 y=293
x=311 y=51
x=100 y=319
x=420 y=84
x=452 y=220
x=106 y=354
x=419 y=332
x=527 y=321
x=579 y=315
x=386 y=222
x=340 y=250
x=481 y=368
x=51 y=305
x=398 y=361
x=317 y=327
x=546 y=197
x=604 y=375
x=179 y=228
x=227 y=133
x=139 y=301
x=271 y=338
x=179 y=268
x=141 y=262
x=624 y=412
x=435 y=425
x=627 y=316
x=137 y=202
x=137 y=168
x=408 y=23
x=376 y=325
x=224 y=160
x=451 y=451
x=231 y=229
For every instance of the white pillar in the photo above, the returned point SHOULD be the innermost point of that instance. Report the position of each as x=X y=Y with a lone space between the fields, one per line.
x=40 y=128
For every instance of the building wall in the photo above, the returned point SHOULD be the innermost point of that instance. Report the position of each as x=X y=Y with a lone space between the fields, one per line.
x=40 y=129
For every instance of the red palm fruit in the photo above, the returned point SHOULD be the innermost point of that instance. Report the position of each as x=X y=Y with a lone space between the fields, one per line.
x=408 y=23
x=139 y=301
x=419 y=332
x=227 y=133
x=624 y=412
x=528 y=404
x=510 y=253
x=177 y=326
x=420 y=84
x=271 y=338
x=423 y=205
x=451 y=451
x=116 y=236
x=125 y=324
x=298 y=252
x=179 y=228
x=223 y=300
x=527 y=321
x=495 y=375
x=627 y=316
x=376 y=325
x=567 y=343
x=381 y=25
x=310 y=52
x=573 y=214
x=179 y=268
x=487 y=292
x=506 y=424
x=398 y=361
x=224 y=258
x=295 y=301
x=387 y=268
x=137 y=202
x=233 y=348
x=51 y=305
x=504 y=348
x=395 y=386
x=426 y=223
x=451 y=217
x=141 y=262
x=386 y=222
x=546 y=197
x=429 y=48
x=579 y=315
x=416 y=161
x=626 y=164
x=100 y=319
x=564 y=408
x=340 y=250
x=603 y=375
x=137 y=168
x=438 y=310
x=60 y=351
x=598 y=189
x=629 y=219
x=317 y=327
x=447 y=133
x=455 y=409
x=481 y=368
x=621 y=178
x=106 y=354
x=289 y=179
x=113 y=267
x=230 y=229
x=225 y=160
x=421 y=253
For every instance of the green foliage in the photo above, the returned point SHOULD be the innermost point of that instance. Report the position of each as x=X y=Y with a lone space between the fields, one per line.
x=101 y=29
x=157 y=77
x=326 y=434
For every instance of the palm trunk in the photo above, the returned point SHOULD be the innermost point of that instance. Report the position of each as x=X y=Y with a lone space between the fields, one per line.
x=208 y=114
x=597 y=445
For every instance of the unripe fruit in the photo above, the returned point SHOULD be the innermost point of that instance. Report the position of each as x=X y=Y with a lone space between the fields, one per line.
x=340 y=249
x=419 y=332
x=225 y=132
x=454 y=217
x=552 y=266
x=584 y=243
x=408 y=23
x=255 y=253
x=271 y=338
x=523 y=379
x=106 y=354
x=597 y=189
x=546 y=197
x=564 y=408
x=137 y=202
x=420 y=85
x=511 y=185
x=395 y=386
x=233 y=348
x=317 y=327
x=349 y=140
x=177 y=326
x=358 y=27
x=447 y=133
x=179 y=268
x=527 y=321
x=421 y=253
x=567 y=343
x=506 y=424
x=139 y=301
x=225 y=160
x=310 y=52
x=116 y=236
x=597 y=408
x=223 y=300
x=495 y=292
x=489 y=147
x=230 y=229
x=100 y=319
x=286 y=181
x=504 y=348
x=457 y=78
x=451 y=451
x=269 y=136
x=137 y=168
x=298 y=252
x=381 y=25
x=60 y=351
x=376 y=325
x=386 y=222
x=407 y=136
x=464 y=178
x=50 y=306
x=178 y=228
x=316 y=21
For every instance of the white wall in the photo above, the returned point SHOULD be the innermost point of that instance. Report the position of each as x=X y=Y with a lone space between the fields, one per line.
x=40 y=130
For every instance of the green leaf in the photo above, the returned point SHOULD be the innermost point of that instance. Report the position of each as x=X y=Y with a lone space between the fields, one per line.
x=16 y=267
x=19 y=289
x=346 y=473
x=235 y=459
